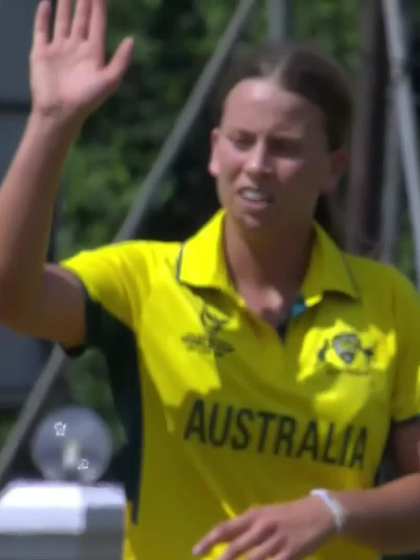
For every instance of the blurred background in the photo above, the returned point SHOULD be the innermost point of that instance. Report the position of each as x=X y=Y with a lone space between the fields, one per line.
x=109 y=171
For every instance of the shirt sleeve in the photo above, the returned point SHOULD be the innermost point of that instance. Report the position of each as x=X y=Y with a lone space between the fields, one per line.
x=406 y=393
x=115 y=277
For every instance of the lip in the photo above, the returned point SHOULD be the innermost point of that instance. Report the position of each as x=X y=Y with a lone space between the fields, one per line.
x=262 y=203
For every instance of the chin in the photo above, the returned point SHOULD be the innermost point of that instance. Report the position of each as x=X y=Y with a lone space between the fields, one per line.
x=256 y=223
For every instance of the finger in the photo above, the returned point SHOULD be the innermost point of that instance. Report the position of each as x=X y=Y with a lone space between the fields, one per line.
x=247 y=542
x=81 y=20
x=62 y=22
x=42 y=23
x=98 y=23
x=225 y=532
x=119 y=63
x=268 y=549
x=287 y=556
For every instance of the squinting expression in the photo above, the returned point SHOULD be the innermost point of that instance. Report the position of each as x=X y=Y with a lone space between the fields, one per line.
x=270 y=156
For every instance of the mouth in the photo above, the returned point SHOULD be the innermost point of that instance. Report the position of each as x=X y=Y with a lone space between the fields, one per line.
x=255 y=196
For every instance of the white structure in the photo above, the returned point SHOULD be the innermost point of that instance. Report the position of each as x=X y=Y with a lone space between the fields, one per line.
x=61 y=521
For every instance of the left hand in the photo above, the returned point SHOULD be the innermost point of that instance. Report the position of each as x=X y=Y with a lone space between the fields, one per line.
x=287 y=531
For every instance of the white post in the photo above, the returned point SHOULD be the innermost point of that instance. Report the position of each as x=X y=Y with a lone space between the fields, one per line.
x=61 y=521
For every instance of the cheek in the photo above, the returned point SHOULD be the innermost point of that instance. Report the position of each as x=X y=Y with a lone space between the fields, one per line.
x=225 y=162
x=307 y=171
x=290 y=169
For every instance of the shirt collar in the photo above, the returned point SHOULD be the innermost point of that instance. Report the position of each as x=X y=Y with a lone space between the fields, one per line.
x=202 y=263
x=328 y=270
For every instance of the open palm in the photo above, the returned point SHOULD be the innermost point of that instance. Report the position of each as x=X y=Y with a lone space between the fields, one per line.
x=69 y=75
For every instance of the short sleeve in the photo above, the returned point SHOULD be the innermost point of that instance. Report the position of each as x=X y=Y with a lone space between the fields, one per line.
x=406 y=393
x=115 y=277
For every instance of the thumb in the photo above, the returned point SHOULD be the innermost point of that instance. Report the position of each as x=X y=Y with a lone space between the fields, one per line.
x=119 y=63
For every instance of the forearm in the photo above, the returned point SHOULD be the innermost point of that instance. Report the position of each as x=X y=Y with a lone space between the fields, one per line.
x=27 y=199
x=387 y=517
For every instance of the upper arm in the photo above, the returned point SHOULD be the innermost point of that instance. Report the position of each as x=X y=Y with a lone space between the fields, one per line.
x=405 y=403
x=58 y=313
x=404 y=439
x=115 y=277
x=405 y=446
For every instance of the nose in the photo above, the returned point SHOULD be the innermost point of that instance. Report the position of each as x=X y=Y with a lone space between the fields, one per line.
x=258 y=161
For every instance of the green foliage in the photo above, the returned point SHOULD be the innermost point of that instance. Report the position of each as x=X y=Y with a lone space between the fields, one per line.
x=333 y=25
x=119 y=143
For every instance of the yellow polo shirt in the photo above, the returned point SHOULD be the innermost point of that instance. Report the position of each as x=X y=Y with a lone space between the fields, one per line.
x=223 y=412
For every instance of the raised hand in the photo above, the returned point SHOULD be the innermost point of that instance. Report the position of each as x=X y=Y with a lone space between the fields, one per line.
x=70 y=77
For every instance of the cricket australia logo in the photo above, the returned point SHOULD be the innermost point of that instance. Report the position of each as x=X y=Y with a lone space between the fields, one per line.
x=347 y=348
x=209 y=343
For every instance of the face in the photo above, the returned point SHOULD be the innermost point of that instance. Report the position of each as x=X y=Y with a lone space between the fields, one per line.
x=270 y=156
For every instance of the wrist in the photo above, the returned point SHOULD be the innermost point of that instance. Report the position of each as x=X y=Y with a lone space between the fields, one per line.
x=54 y=124
x=336 y=509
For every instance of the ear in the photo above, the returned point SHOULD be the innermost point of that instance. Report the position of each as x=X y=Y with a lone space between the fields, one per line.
x=339 y=163
x=213 y=165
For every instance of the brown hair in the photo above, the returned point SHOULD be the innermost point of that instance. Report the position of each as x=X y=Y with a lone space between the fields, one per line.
x=301 y=69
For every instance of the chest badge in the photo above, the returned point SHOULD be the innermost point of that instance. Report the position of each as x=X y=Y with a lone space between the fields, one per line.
x=210 y=342
x=347 y=348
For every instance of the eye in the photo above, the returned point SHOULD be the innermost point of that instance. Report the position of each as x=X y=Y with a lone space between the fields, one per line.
x=285 y=147
x=242 y=141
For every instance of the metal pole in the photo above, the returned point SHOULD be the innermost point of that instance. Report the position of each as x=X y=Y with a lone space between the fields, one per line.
x=391 y=202
x=184 y=123
x=366 y=173
x=279 y=19
x=406 y=116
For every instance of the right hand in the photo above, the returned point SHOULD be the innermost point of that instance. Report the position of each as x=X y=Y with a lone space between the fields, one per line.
x=70 y=77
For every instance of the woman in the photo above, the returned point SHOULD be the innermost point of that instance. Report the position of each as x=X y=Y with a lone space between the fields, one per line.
x=257 y=368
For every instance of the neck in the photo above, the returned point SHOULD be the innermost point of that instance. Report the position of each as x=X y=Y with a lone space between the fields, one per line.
x=277 y=260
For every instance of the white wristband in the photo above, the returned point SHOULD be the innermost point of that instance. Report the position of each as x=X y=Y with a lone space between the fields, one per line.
x=337 y=510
